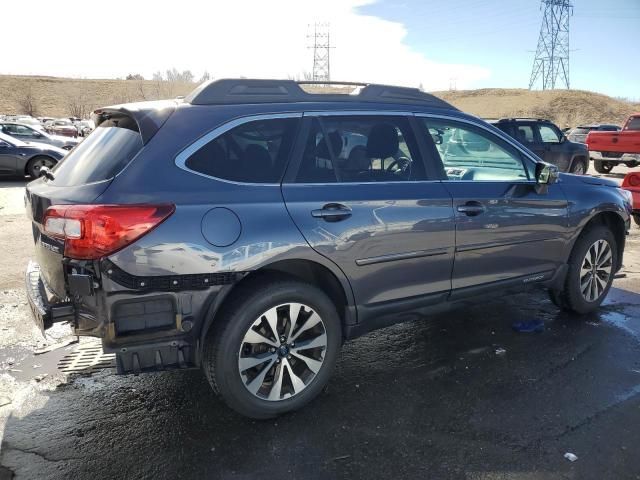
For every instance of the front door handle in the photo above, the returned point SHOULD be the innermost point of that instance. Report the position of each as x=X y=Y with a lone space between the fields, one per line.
x=332 y=212
x=471 y=209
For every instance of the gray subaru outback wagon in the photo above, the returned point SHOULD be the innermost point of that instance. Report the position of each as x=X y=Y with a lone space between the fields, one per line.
x=252 y=227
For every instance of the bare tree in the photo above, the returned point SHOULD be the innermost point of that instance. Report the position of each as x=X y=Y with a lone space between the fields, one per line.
x=78 y=104
x=141 y=91
x=205 y=77
x=26 y=101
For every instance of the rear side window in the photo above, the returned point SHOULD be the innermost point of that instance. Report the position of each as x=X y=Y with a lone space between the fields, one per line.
x=254 y=152
x=101 y=156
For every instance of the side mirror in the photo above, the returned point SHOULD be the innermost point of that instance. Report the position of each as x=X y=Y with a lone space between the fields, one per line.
x=546 y=174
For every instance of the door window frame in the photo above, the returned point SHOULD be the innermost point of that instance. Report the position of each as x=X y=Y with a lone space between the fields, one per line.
x=495 y=134
x=295 y=163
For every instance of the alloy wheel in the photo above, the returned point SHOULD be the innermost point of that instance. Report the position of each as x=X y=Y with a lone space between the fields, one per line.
x=282 y=351
x=596 y=270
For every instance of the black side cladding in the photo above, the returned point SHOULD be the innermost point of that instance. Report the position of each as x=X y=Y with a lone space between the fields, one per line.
x=168 y=282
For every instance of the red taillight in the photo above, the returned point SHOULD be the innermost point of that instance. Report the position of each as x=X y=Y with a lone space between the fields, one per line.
x=94 y=231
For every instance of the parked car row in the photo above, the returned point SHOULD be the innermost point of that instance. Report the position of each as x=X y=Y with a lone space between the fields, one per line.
x=69 y=127
x=28 y=133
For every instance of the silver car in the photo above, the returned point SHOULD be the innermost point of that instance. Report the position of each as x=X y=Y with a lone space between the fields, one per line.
x=27 y=133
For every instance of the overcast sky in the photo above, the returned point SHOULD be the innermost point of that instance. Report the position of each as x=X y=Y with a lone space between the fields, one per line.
x=468 y=43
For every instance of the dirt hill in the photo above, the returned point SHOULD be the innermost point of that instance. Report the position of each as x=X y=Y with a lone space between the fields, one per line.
x=566 y=108
x=62 y=97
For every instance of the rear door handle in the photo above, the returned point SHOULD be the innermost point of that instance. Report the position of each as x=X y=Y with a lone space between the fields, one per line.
x=471 y=209
x=332 y=212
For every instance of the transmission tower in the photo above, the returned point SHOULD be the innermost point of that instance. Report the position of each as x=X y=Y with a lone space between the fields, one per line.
x=320 y=43
x=552 y=54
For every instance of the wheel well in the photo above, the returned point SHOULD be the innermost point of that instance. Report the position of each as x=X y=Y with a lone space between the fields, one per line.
x=580 y=158
x=314 y=274
x=613 y=222
x=302 y=270
x=35 y=157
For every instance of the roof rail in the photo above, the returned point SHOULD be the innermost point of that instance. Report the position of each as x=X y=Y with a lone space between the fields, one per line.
x=506 y=119
x=237 y=91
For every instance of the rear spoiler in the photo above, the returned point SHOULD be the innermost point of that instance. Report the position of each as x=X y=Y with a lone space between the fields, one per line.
x=148 y=116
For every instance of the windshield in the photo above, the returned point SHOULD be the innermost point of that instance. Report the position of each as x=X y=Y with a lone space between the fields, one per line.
x=100 y=157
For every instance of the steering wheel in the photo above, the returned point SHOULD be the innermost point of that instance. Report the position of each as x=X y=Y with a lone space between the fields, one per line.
x=403 y=165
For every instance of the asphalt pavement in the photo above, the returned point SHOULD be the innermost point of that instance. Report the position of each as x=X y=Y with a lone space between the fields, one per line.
x=456 y=396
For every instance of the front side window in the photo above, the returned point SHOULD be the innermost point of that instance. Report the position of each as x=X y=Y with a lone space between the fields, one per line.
x=360 y=149
x=472 y=154
x=549 y=134
x=254 y=152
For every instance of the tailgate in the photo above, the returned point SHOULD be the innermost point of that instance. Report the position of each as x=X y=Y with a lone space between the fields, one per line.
x=39 y=196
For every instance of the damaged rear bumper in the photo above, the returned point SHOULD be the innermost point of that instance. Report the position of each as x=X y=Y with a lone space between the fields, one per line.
x=45 y=314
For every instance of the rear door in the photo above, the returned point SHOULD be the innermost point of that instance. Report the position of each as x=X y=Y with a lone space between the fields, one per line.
x=359 y=193
x=505 y=231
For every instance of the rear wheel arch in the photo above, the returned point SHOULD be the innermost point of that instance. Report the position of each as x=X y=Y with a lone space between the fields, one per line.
x=306 y=271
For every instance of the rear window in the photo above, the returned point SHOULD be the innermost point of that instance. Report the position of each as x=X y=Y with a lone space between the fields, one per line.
x=101 y=156
x=254 y=152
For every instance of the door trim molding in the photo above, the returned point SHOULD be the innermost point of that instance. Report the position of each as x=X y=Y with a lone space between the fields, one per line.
x=393 y=257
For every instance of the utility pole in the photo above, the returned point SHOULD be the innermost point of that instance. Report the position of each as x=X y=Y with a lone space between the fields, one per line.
x=321 y=45
x=552 y=55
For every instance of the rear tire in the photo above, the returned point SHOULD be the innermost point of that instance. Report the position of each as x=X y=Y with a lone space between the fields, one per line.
x=636 y=218
x=602 y=166
x=289 y=375
x=36 y=163
x=592 y=266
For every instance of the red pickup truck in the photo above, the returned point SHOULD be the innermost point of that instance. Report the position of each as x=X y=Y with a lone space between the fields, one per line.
x=608 y=149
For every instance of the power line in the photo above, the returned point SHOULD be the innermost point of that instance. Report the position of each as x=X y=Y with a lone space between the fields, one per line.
x=552 y=54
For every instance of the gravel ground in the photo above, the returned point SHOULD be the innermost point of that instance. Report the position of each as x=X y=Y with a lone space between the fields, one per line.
x=427 y=399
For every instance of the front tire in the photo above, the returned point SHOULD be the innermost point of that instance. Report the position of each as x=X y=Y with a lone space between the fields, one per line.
x=592 y=265
x=273 y=348
x=636 y=218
